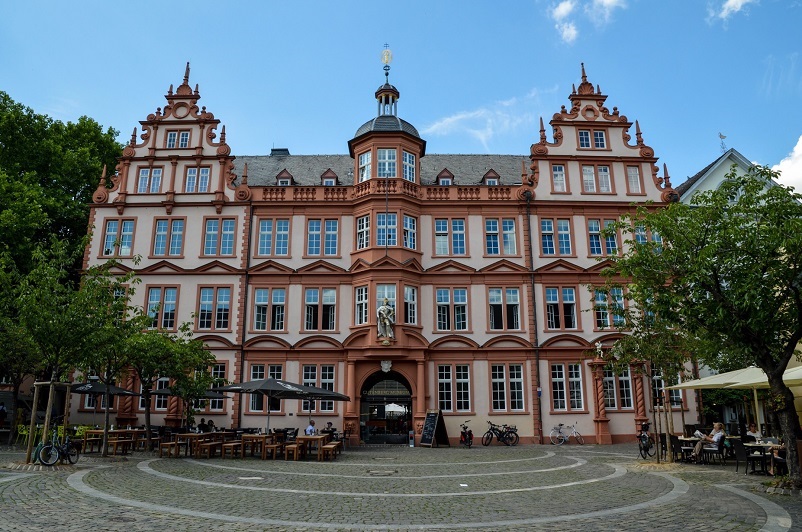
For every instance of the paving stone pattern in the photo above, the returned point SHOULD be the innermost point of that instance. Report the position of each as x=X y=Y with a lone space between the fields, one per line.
x=528 y=487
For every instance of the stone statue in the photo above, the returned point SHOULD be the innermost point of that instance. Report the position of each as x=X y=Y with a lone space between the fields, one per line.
x=386 y=319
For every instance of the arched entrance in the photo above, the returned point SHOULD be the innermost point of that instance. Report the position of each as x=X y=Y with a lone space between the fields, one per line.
x=386 y=411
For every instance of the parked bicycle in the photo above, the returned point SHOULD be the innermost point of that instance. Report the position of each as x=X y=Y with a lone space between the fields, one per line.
x=646 y=446
x=502 y=433
x=67 y=450
x=558 y=437
x=512 y=433
x=466 y=436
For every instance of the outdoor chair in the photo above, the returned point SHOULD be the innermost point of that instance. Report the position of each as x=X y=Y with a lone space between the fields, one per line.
x=22 y=434
x=742 y=455
x=717 y=452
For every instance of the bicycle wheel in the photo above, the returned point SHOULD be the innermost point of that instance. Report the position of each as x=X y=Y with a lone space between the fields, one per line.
x=487 y=438
x=469 y=440
x=643 y=447
x=48 y=455
x=650 y=448
x=514 y=438
x=556 y=437
x=73 y=454
x=579 y=439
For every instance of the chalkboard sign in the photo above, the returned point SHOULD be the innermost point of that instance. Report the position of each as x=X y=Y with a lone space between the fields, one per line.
x=434 y=430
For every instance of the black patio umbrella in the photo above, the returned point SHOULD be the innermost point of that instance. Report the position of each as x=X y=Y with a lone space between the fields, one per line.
x=280 y=389
x=97 y=388
x=208 y=394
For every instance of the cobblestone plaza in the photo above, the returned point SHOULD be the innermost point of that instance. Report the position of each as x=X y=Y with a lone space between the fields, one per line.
x=528 y=487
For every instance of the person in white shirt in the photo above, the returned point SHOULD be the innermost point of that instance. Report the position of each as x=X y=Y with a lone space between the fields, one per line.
x=310 y=430
x=754 y=432
x=712 y=439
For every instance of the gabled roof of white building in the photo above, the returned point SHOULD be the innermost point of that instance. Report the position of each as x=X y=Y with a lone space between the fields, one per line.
x=715 y=172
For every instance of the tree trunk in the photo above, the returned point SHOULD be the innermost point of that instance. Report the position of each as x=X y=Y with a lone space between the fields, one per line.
x=146 y=395
x=105 y=443
x=783 y=400
x=669 y=422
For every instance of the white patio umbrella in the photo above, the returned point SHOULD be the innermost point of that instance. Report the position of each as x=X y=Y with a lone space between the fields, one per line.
x=722 y=380
x=730 y=379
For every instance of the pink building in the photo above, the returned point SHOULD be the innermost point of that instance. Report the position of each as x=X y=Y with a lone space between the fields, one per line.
x=285 y=262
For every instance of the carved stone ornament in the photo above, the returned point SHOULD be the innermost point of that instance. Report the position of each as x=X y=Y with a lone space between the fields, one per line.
x=386 y=365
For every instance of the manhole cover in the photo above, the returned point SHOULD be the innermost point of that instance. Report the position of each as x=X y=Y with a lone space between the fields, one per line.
x=376 y=473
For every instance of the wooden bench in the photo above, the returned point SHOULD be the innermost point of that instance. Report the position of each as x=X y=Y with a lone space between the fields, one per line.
x=173 y=448
x=273 y=449
x=209 y=448
x=124 y=444
x=328 y=451
x=296 y=450
x=89 y=444
x=234 y=447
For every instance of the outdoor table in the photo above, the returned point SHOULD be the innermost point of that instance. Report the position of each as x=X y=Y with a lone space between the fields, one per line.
x=759 y=449
x=308 y=440
x=127 y=434
x=190 y=440
x=253 y=440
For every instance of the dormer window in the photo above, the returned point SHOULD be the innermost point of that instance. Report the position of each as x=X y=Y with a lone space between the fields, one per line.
x=329 y=181
x=284 y=178
x=444 y=181
x=284 y=182
x=491 y=181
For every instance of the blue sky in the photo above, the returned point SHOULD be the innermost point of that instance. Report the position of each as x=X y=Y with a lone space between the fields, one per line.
x=474 y=76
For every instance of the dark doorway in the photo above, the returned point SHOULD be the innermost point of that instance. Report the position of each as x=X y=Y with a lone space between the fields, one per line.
x=386 y=413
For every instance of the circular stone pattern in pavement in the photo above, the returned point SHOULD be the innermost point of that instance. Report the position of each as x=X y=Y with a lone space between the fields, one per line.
x=399 y=488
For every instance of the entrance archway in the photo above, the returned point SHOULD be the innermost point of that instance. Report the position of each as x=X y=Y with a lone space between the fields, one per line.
x=386 y=408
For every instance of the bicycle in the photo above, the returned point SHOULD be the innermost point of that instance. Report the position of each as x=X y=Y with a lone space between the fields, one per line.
x=502 y=434
x=558 y=437
x=50 y=453
x=511 y=433
x=466 y=436
x=646 y=446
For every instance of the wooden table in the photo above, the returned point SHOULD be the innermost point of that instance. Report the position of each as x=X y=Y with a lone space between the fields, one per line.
x=256 y=439
x=190 y=440
x=308 y=440
x=126 y=437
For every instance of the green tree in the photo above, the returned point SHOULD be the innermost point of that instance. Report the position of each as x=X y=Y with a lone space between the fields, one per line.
x=48 y=172
x=728 y=276
x=110 y=320
x=156 y=353
x=52 y=314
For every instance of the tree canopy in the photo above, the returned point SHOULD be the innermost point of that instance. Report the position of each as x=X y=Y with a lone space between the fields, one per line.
x=725 y=278
x=48 y=172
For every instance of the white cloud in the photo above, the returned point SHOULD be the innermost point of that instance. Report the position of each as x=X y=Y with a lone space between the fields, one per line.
x=563 y=9
x=488 y=122
x=728 y=9
x=568 y=31
x=602 y=10
x=790 y=168
x=567 y=15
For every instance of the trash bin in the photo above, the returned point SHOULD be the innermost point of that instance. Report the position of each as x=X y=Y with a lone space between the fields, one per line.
x=412 y=438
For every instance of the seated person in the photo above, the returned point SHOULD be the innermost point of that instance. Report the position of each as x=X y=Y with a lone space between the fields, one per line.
x=210 y=426
x=710 y=441
x=330 y=430
x=753 y=434
x=777 y=459
x=310 y=430
x=202 y=426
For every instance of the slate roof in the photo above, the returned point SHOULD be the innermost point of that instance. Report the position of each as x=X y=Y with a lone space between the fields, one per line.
x=306 y=170
x=386 y=123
